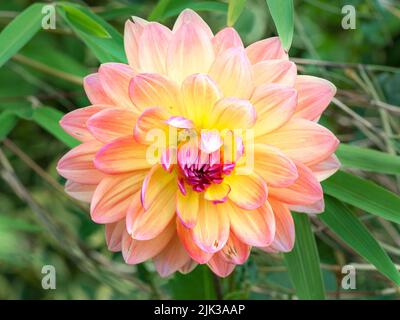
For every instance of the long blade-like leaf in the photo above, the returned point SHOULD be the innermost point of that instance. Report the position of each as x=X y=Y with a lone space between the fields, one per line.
x=283 y=15
x=367 y=159
x=48 y=119
x=235 y=8
x=346 y=225
x=303 y=261
x=363 y=194
x=16 y=34
x=8 y=120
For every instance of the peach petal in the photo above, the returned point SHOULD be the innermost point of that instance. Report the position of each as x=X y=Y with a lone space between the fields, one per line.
x=302 y=140
x=113 y=196
x=77 y=164
x=114 y=233
x=217 y=193
x=305 y=190
x=273 y=166
x=189 y=16
x=248 y=191
x=235 y=251
x=187 y=207
x=274 y=71
x=312 y=209
x=79 y=191
x=212 y=229
x=267 y=49
x=219 y=266
x=232 y=71
x=110 y=124
x=122 y=155
x=253 y=227
x=188 y=267
x=324 y=169
x=115 y=78
x=225 y=39
x=151 y=119
x=132 y=33
x=95 y=91
x=314 y=96
x=275 y=105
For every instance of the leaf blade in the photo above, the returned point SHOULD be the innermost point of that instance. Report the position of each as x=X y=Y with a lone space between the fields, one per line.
x=235 y=8
x=282 y=13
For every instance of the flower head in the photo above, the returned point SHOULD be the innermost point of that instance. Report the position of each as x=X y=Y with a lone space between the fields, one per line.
x=197 y=150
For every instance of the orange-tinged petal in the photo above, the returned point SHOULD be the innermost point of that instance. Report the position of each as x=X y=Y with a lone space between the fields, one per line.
x=147 y=224
x=153 y=185
x=189 y=41
x=172 y=258
x=186 y=237
x=138 y=251
x=304 y=191
x=122 y=155
x=274 y=71
x=253 y=227
x=79 y=191
x=302 y=140
x=113 y=196
x=187 y=207
x=219 y=266
x=324 y=169
x=199 y=94
x=188 y=267
x=154 y=90
x=232 y=113
x=115 y=78
x=267 y=49
x=110 y=124
x=132 y=33
x=189 y=16
x=77 y=164
x=225 y=39
x=114 y=233
x=285 y=231
x=232 y=71
x=248 y=191
x=274 y=166
x=95 y=91
x=153 y=46
x=235 y=251
x=312 y=209
x=275 y=105
x=74 y=122
x=217 y=192
x=212 y=229
x=314 y=95
x=151 y=119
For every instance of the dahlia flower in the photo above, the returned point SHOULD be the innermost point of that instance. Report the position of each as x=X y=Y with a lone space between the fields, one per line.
x=238 y=147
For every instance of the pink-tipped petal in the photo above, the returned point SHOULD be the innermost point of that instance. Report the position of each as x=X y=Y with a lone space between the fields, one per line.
x=285 y=231
x=169 y=158
x=275 y=105
x=95 y=91
x=255 y=227
x=267 y=49
x=110 y=124
x=219 y=266
x=312 y=209
x=77 y=164
x=210 y=140
x=324 y=169
x=113 y=196
x=305 y=190
x=274 y=71
x=114 y=233
x=274 y=166
x=225 y=39
x=248 y=191
x=314 y=95
x=189 y=16
x=235 y=251
x=151 y=121
x=187 y=207
x=232 y=71
x=79 y=191
x=132 y=33
x=302 y=140
x=122 y=155
x=212 y=229
x=115 y=78
x=74 y=122
x=180 y=122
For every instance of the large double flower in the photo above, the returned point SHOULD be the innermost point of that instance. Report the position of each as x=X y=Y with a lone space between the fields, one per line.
x=241 y=146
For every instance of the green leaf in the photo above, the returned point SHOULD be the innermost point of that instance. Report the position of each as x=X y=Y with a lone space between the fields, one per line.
x=159 y=9
x=283 y=15
x=196 y=285
x=363 y=194
x=83 y=22
x=19 y=31
x=110 y=49
x=197 y=6
x=235 y=8
x=346 y=225
x=48 y=118
x=8 y=120
x=303 y=261
x=367 y=159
